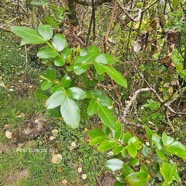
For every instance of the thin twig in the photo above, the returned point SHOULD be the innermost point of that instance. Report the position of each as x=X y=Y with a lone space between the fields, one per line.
x=109 y=27
x=99 y=183
x=132 y=99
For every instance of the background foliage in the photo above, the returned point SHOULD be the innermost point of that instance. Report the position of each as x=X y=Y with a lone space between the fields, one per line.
x=134 y=80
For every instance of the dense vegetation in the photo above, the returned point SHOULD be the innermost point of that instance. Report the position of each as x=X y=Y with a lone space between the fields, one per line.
x=112 y=75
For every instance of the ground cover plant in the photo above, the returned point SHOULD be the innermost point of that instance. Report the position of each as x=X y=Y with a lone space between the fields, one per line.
x=127 y=95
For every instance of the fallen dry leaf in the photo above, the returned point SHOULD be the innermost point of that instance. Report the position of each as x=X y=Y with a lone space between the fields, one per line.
x=56 y=159
x=8 y=134
x=52 y=138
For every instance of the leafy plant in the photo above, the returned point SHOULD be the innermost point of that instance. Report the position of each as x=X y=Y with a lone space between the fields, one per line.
x=69 y=85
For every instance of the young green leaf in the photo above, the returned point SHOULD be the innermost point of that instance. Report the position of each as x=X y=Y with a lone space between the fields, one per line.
x=161 y=155
x=70 y=112
x=149 y=134
x=56 y=88
x=117 y=149
x=104 y=59
x=93 y=49
x=134 y=161
x=107 y=144
x=50 y=74
x=118 y=132
x=116 y=76
x=114 y=164
x=177 y=148
x=104 y=100
x=79 y=66
x=95 y=133
x=76 y=93
x=126 y=137
x=92 y=107
x=100 y=68
x=156 y=139
x=97 y=140
x=137 y=178
x=46 y=53
x=106 y=117
x=65 y=81
x=169 y=173
x=167 y=140
x=29 y=35
x=40 y=94
x=59 y=42
x=55 y=100
x=132 y=150
x=126 y=170
x=45 y=31
x=59 y=61
x=46 y=85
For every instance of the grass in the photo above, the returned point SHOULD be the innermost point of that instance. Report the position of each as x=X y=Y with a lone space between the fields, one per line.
x=26 y=167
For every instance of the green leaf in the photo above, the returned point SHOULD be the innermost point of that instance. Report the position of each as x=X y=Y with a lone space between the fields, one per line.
x=46 y=85
x=29 y=35
x=97 y=140
x=105 y=100
x=40 y=94
x=126 y=137
x=124 y=152
x=117 y=183
x=55 y=112
x=167 y=140
x=149 y=134
x=79 y=66
x=132 y=150
x=107 y=144
x=137 y=179
x=95 y=133
x=59 y=61
x=116 y=76
x=104 y=59
x=145 y=150
x=70 y=112
x=76 y=93
x=59 y=42
x=92 y=107
x=96 y=93
x=161 y=155
x=93 y=49
x=135 y=141
x=47 y=53
x=120 y=179
x=83 y=52
x=49 y=75
x=177 y=148
x=65 y=81
x=100 y=68
x=134 y=161
x=169 y=173
x=66 y=52
x=156 y=139
x=114 y=164
x=106 y=117
x=126 y=170
x=89 y=58
x=45 y=31
x=56 y=88
x=55 y=100
x=117 y=149
x=117 y=133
